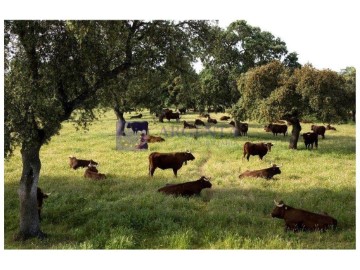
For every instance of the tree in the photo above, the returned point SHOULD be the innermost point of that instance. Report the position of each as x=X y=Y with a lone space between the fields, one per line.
x=349 y=75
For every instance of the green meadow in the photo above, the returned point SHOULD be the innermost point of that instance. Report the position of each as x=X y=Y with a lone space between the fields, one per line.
x=125 y=211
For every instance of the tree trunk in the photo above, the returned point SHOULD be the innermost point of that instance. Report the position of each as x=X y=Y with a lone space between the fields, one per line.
x=237 y=132
x=295 y=133
x=29 y=219
x=120 y=127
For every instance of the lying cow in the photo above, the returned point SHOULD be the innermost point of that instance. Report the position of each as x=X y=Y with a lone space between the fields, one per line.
x=328 y=127
x=77 y=163
x=188 y=125
x=138 y=126
x=89 y=173
x=153 y=139
x=211 y=120
x=320 y=130
x=298 y=219
x=267 y=173
x=224 y=118
x=168 y=161
x=187 y=189
x=198 y=122
x=309 y=139
x=275 y=129
x=40 y=196
x=136 y=116
x=256 y=149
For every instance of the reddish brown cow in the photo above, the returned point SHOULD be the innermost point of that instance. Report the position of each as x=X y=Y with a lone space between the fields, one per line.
x=188 y=125
x=256 y=149
x=187 y=189
x=275 y=129
x=40 y=196
x=198 y=122
x=77 y=163
x=153 y=139
x=168 y=161
x=94 y=175
x=267 y=173
x=320 y=130
x=298 y=219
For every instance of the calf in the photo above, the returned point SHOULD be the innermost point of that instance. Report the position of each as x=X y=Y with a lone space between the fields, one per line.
x=168 y=161
x=298 y=219
x=153 y=139
x=256 y=149
x=320 y=130
x=267 y=173
x=275 y=129
x=198 y=122
x=224 y=118
x=187 y=189
x=210 y=120
x=136 y=116
x=309 y=139
x=77 y=163
x=188 y=125
x=94 y=175
x=40 y=196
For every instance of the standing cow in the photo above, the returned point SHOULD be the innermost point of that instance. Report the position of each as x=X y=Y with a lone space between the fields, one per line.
x=320 y=130
x=298 y=219
x=275 y=129
x=309 y=139
x=256 y=149
x=138 y=126
x=168 y=161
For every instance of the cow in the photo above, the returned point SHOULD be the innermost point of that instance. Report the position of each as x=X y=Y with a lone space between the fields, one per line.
x=92 y=167
x=320 y=130
x=328 y=127
x=171 y=115
x=168 y=161
x=198 y=122
x=136 y=116
x=267 y=173
x=275 y=129
x=204 y=115
x=77 y=163
x=40 y=196
x=244 y=127
x=138 y=126
x=298 y=219
x=232 y=123
x=210 y=120
x=153 y=139
x=187 y=189
x=256 y=149
x=224 y=118
x=94 y=175
x=182 y=110
x=309 y=139
x=188 y=125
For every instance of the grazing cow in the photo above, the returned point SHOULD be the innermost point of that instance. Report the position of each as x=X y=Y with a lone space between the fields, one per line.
x=298 y=219
x=275 y=129
x=136 y=116
x=232 y=123
x=198 y=122
x=153 y=139
x=40 y=196
x=267 y=173
x=188 y=125
x=187 y=189
x=224 y=118
x=182 y=110
x=255 y=149
x=168 y=161
x=94 y=175
x=320 y=130
x=309 y=139
x=328 y=127
x=138 y=126
x=210 y=120
x=77 y=163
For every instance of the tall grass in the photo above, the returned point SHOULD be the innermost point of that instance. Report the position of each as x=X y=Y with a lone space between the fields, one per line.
x=126 y=212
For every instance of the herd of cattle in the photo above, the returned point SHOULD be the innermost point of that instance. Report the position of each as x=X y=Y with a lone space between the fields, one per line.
x=295 y=219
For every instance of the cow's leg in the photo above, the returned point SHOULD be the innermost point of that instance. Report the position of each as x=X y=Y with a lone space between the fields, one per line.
x=247 y=157
x=261 y=157
x=152 y=170
x=175 y=172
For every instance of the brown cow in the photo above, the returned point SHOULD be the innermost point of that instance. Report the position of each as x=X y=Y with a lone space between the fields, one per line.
x=309 y=139
x=94 y=175
x=187 y=189
x=256 y=149
x=171 y=115
x=198 y=122
x=168 y=161
x=320 y=130
x=153 y=139
x=275 y=129
x=267 y=173
x=328 y=127
x=40 y=196
x=188 y=125
x=77 y=163
x=224 y=118
x=298 y=219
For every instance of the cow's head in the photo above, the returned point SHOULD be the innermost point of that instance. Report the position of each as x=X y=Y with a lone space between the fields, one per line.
x=279 y=210
x=268 y=128
x=269 y=145
x=188 y=156
x=205 y=182
x=93 y=163
x=275 y=169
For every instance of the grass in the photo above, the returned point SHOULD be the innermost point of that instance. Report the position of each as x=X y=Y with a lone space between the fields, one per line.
x=126 y=212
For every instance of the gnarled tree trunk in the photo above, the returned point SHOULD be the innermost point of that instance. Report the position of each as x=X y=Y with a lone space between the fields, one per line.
x=120 y=128
x=237 y=132
x=295 y=132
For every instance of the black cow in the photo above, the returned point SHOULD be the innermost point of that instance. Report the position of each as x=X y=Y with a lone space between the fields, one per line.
x=298 y=219
x=309 y=139
x=211 y=120
x=275 y=129
x=267 y=173
x=138 y=126
x=244 y=127
x=320 y=130
x=182 y=110
x=77 y=163
x=168 y=161
x=198 y=122
x=188 y=125
x=329 y=127
x=224 y=118
x=256 y=149
x=171 y=115
x=40 y=196
x=187 y=189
